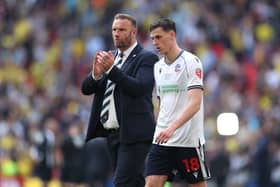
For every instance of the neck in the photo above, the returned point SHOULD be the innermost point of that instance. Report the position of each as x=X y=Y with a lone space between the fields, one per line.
x=173 y=53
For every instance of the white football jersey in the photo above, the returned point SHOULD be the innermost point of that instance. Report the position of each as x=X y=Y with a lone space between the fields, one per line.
x=172 y=84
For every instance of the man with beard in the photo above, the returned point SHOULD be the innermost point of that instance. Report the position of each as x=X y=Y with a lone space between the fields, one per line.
x=122 y=82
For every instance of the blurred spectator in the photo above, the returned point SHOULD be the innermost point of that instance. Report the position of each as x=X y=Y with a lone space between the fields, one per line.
x=220 y=165
x=43 y=143
x=99 y=165
x=46 y=47
x=73 y=156
x=262 y=157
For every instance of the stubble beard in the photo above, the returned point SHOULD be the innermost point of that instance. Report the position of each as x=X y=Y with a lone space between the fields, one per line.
x=125 y=43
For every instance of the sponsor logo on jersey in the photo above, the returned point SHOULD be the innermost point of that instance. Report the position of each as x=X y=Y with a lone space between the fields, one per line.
x=169 y=88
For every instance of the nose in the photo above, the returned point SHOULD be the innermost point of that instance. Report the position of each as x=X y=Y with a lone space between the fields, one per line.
x=116 y=35
x=116 y=32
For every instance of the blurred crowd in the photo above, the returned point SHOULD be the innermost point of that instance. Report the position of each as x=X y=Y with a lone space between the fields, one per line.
x=46 y=49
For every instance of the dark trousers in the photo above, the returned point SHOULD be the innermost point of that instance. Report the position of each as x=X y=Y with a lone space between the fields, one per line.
x=128 y=161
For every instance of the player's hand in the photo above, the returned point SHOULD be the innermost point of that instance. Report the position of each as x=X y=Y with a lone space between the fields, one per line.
x=164 y=135
x=106 y=59
x=97 y=67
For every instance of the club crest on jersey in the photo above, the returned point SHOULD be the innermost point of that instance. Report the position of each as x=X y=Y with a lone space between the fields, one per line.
x=198 y=72
x=178 y=68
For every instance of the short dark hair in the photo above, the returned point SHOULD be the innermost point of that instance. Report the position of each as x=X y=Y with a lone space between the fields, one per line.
x=165 y=23
x=128 y=17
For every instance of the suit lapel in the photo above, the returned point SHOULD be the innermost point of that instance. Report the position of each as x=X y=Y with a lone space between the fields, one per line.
x=131 y=56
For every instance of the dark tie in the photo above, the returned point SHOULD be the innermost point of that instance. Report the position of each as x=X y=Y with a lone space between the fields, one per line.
x=104 y=115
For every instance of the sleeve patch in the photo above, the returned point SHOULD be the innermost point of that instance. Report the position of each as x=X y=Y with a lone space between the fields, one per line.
x=198 y=73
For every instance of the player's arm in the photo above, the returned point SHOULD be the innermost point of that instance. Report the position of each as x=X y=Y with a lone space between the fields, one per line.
x=195 y=97
x=193 y=106
x=156 y=107
x=195 y=93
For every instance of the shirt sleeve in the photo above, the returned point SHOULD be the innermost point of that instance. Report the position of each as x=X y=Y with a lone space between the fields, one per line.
x=195 y=73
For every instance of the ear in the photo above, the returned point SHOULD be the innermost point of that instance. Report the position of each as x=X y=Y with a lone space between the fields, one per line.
x=173 y=34
x=134 y=31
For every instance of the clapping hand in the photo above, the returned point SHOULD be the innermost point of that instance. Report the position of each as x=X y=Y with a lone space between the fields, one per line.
x=106 y=59
x=97 y=66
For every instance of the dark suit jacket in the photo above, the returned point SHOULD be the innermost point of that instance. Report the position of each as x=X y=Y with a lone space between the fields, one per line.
x=132 y=95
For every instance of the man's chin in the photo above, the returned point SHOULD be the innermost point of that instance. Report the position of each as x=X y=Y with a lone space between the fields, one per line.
x=120 y=46
x=160 y=52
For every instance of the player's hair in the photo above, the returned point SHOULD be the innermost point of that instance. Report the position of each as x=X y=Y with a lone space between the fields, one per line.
x=128 y=17
x=165 y=23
